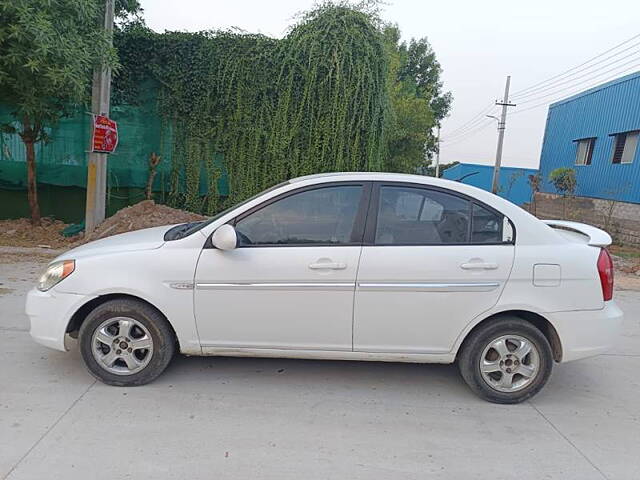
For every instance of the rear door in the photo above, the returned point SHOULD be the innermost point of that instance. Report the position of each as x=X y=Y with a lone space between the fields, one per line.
x=432 y=260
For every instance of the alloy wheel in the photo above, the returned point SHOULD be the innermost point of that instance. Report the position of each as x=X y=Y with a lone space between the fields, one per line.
x=122 y=345
x=509 y=363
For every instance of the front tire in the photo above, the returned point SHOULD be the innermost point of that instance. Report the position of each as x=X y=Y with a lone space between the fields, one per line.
x=126 y=342
x=506 y=361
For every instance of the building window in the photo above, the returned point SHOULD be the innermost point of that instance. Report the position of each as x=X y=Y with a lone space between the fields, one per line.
x=624 y=146
x=585 y=151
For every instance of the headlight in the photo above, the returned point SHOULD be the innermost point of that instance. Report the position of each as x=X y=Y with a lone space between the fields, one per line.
x=56 y=272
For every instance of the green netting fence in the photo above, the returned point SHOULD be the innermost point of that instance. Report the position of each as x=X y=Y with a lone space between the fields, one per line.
x=62 y=163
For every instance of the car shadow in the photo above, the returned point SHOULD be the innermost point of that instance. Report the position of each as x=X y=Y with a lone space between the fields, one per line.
x=356 y=377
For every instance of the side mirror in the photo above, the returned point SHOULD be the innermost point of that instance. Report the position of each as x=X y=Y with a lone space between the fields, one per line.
x=225 y=238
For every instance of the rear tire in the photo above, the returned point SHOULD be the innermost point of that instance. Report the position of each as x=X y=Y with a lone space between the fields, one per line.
x=506 y=361
x=126 y=342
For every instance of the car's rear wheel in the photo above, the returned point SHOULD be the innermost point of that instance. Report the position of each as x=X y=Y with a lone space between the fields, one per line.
x=507 y=360
x=126 y=342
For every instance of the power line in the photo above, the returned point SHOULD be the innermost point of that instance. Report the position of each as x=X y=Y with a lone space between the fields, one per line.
x=551 y=85
x=472 y=121
x=520 y=92
x=548 y=102
x=465 y=132
x=571 y=78
x=471 y=126
x=588 y=80
x=468 y=135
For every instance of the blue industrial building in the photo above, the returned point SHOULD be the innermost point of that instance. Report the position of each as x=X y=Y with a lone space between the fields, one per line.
x=514 y=184
x=596 y=132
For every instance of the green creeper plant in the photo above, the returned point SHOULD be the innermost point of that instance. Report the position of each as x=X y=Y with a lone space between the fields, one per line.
x=326 y=97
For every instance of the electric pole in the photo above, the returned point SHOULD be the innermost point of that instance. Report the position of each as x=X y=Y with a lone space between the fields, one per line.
x=97 y=167
x=438 y=155
x=501 y=127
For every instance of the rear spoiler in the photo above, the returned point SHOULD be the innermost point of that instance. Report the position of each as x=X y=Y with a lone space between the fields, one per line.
x=597 y=237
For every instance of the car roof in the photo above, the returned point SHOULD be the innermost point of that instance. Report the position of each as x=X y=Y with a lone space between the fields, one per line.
x=394 y=177
x=362 y=176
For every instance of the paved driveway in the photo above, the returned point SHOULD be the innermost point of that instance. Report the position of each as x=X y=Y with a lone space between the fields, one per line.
x=217 y=418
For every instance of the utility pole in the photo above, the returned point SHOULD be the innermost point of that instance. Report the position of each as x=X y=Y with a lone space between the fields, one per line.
x=501 y=127
x=97 y=167
x=438 y=154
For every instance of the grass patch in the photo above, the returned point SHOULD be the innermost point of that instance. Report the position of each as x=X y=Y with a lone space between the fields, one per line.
x=625 y=252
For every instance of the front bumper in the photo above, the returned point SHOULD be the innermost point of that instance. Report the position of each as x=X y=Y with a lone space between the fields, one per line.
x=49 y=313
x=586 y=333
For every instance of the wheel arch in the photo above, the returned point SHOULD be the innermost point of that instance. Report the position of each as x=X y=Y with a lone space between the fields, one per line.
x=534 y=318
x=76 y=320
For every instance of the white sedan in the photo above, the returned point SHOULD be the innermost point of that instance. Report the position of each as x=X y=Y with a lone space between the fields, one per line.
x=358 y=266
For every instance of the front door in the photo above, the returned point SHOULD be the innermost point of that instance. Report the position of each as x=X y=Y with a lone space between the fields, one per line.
x=433 y=260
x=290 y=283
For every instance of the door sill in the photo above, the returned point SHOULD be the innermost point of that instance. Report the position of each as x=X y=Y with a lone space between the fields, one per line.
x=211 y=350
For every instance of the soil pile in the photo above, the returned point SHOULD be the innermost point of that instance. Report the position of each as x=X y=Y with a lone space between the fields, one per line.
x=146 y=214
x=20 y=233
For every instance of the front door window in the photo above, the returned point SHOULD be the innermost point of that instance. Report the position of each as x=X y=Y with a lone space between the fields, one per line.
x=323 y=216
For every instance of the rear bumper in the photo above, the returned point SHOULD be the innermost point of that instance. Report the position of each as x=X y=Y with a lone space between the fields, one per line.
x=586 y=333
x=49 y=314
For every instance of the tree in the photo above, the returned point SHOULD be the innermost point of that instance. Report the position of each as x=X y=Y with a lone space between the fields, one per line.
x=422 y=67
x=128 y=12
x=511 y=181
x=48 y=49
x=535 y=182
x=417 y=101
x=430 y=171
x=565 y=183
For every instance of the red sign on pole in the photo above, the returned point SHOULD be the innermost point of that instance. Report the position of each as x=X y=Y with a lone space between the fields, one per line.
x=105 y=134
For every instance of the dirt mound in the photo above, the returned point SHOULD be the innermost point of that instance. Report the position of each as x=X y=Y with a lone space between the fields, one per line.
x=145 y=214
x=626 y=259
x=20 y=233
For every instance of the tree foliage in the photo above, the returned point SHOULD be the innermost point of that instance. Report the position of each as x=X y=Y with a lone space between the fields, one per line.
x=417 y=100
x=565 y=183
x=48 y=49
x=335 y=94
x=422 y=68
x=128 y=12
x=312 y=102
x=340 y=92
x=564 y=180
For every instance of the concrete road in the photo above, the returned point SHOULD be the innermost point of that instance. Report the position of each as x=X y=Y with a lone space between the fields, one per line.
x=225 y=418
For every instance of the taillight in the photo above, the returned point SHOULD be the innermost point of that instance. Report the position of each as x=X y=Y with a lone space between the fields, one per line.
x=605 y=270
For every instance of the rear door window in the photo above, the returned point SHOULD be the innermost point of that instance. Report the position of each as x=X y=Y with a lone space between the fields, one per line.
x=487 y=225
x=416 y=216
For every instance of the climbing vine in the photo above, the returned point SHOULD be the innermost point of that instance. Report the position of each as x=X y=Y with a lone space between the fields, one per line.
x=315 y=101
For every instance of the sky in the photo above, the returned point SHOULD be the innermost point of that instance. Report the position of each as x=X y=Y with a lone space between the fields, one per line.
x=477 y=44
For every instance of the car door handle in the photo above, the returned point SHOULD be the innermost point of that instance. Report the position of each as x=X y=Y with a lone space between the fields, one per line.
x=328 y=266
x=479 y=266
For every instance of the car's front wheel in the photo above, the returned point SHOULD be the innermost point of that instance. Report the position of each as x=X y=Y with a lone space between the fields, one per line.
x=126 y=342
x=507 y=360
